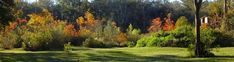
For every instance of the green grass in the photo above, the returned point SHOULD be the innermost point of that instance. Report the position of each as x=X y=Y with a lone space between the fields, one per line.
x=147 y=54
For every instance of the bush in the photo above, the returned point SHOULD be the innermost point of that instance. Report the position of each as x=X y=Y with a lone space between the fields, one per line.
x=90 y=42
x=9 y=40
x=208 y=37
x=67 y=47
x=50 y=38
x=182 y=21
x=179 y=37
x=132 y=36
x=224 y=39
x=183 y=36
x=37 y=40
x=160 y=38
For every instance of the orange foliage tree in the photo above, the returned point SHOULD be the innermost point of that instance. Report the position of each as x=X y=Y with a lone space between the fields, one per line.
x=155 y=25
x=88 y=22
x=122 y=38
x=70 y=30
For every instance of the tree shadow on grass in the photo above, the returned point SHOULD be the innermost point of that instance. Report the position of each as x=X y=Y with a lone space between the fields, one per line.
x=119 y=56
x=38 y=57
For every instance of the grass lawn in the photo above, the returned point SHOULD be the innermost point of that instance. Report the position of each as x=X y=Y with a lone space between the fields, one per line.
x=147 y=54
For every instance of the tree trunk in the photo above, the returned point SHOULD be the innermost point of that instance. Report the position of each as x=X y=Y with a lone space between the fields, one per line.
x=199 y=48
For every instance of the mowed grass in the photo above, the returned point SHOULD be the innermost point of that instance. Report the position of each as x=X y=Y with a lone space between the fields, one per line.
x=145 y=54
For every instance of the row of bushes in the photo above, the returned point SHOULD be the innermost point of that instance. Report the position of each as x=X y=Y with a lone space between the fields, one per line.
x=42 y=32
x=183 y=36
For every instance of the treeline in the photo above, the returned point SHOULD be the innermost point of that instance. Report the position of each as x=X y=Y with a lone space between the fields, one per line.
x=48 y=25
x=123 y=12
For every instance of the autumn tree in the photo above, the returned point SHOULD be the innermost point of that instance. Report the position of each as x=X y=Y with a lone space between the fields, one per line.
x=87 y=22
x=42 y=18
x=169 y=23
x=155 y=25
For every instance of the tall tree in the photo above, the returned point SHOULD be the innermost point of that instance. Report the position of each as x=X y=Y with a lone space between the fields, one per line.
x=6 y=6
x=199 y=46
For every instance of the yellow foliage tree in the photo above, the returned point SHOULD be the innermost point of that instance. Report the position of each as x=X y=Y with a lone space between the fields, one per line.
x=40 y=18
x=90 y=18
x=81 y=21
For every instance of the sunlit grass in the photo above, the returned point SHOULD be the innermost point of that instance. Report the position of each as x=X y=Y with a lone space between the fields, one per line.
x=145 y=54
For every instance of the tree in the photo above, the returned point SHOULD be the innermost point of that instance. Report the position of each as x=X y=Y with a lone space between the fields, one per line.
x=169 y=23
x=6 y=7
x=199 y=49
x=155 y=25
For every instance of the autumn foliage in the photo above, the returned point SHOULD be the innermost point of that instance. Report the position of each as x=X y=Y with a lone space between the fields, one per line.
x=70 y=30
x=87 y=22
x=121 y=38
x=155 y=25
x=169 y=23
x=40 y=18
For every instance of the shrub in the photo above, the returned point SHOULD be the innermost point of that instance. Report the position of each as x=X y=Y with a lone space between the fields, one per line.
x=183 y=36
x=90 y=42
x=182 y=21
x=37 y=40
x=50 y=38
x=9 y=40
x=67 y=47
x=133 y=35
x=224 y=39
x=208 y=36
x=179 y=37
x=122 y=39
x=155 y=39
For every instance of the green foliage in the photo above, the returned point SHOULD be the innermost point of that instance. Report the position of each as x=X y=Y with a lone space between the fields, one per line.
x=145 y=41
x=9 y=40
x=90 y=42
x=180 y=37
x=67 y=47
x=131 y=44
x=6 y=11
x=208 y=37
x=160 y=38
x=191 y=49
x=183 y=35
x=182 y=21
x=133 y=35
x=224 y=39
x=37 y=40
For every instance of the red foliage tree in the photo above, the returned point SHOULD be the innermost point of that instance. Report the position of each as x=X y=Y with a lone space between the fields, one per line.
x=169 y=23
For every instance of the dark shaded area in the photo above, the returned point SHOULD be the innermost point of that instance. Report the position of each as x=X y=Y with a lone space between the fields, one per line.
x=38 y=57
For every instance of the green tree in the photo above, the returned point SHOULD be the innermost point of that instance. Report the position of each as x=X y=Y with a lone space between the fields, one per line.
x=6 y=7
